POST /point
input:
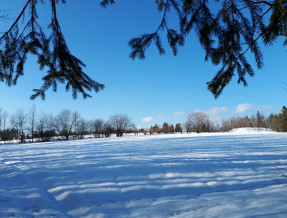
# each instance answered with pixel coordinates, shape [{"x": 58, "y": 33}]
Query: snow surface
[
  {"x": 197, "y": 175},
  {"x": 252, "y": 130}
]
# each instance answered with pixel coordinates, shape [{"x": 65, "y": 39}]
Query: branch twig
[{"x": 16, "y": 21}]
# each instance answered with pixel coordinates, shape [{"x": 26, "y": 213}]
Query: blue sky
[{"x": 158, "y": 89}]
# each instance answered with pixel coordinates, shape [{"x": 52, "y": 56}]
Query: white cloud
[
  {"x": 241, "y": 108},
  {"x": 160, "y": 117},
  {"x": 263, "y": 107},
  {"x": 214, "y": 113},
  {"x": 179, "y": 114},
  {"x": 147, "y": 119}
]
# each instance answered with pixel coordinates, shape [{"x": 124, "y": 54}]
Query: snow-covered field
[{"x": 203, "y": 175}]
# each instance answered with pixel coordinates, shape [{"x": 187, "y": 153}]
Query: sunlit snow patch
[{"x": 253, "y": 130}]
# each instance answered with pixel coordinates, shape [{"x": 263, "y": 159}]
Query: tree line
[
  {"x": 196, "y": 122},
  {"x": 166, "y": 128},
  {"x": 200, "y": 122},
  {"x": 31, "y": 126},
  {"x": 277, "y": 122}
]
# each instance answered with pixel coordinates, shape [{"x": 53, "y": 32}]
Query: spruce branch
[
  {"x": 262, "y": 2},
  {"x": 141, "y": 43},
  {"x": 226, "y": 35},
  {"x": 16, "y": 21},
  {"x": 105, "y": 3},
  {"x": 52, "y": 53}
]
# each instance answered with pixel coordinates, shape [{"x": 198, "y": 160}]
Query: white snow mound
[{"x": 253, "y": 130}]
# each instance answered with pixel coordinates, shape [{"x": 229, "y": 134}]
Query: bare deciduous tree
[
  {"x": 4, "y": 119},
  {"x": 199, "y": 122},
  {"x": 32, "y": 121},
  {"x": 188, "y": 126},
  {"x": 45, "y": 127},
  {"x": 1, "y": 119},
  {"x": 121, "y": 123},
  {"x": 97, "y": 127},
  {"x": 81, "y": 128},
  {"x": 108, "y": 129},
  {"x": 65, "y": 122},
  {"x": 18, "y": 121}
]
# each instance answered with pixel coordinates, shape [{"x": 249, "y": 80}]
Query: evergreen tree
[
  {"x": 157, "y": 129},
  {"x": 228, "y": 30},
  {"x": 273, "y": 121},
  {"x": 26, "y": 36},
  {"x": 9, "y": 134},
  {"x": 154, "y": 129},
  {"x": 246, "y": 121},
  {"x": 178, "y": 128},
  {"x": 165, "y": 128},
  {"x": 171, "y": 129},
  {"x": 283, "y": 119},
  {"x": 260, "y": 120}
]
